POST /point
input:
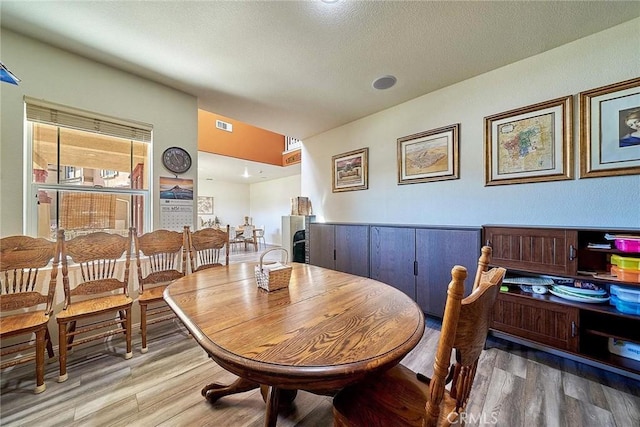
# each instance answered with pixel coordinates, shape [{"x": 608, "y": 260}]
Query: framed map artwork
[
  {"x": 530, "y": 144},
  {"x": 429, "y": 156}
]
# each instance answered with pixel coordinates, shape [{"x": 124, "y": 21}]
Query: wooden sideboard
[
  {"x": 575, "y": 329},
  {"x": 418, "y": 260}
]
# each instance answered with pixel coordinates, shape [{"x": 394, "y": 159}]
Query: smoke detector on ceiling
[{"x": 384, "y": 82}]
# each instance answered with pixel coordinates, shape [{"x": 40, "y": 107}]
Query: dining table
[{"x": 325, "y": 330}]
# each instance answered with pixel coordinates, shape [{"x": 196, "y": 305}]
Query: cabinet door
[
  {"x": 544, "y": 322},
  {"x": 321, "y": 242},
  {"x": 392, "y": 253},
  {"x": 437, "y": 251},
  {"x": 538, "y": 250},
  {"x": 352, "y": 249}
]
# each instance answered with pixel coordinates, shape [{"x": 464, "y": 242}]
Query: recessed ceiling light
[{"x": 384, "y": 82}]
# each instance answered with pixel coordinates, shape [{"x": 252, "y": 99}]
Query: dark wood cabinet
[
  {"x": 322, "y": 241},
  {"x": 418, "y": 261},
  {"x": 437, "y": 251},
  {"x": 393, "y": 253},
  {"x": 547, "y": 321},
  {"x": 341, "y": 247},
  {"x": 550, "y": 324},
  {"x": 414, "y": 259},
  {"x": 546, "y": 251}
]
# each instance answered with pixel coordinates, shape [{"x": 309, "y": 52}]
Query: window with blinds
[{"x": 90, "y": 171}]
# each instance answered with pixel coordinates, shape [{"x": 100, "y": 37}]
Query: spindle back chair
[
  {"x": 98, "y": 290},
  {"x": 28, "y": 275},
  {"x": 161, "y": 258}
]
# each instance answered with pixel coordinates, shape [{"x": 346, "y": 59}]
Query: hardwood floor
[{"x": 515, "y": 386}]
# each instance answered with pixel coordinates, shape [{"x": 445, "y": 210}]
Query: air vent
[{"x": 224, "y": 125}]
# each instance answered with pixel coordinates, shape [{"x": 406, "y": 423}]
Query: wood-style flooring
[{"x": 515, "y": 386}]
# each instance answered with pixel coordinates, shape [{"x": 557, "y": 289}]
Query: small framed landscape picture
[
  {"x": 610, "y": 130},
  {"x": 350, "y": 171},
  {"x": 530, "y": 144},
  {"x": 429, "y": 156}
]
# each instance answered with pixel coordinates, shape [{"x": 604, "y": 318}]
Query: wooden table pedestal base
[{"x": 275, "y": 398}]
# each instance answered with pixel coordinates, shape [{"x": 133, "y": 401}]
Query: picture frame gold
[
  {"x": 530, "y": 144},
  {"x": 429, "y": 156},
  {"x": 610, "y": 130},
  {"x": 350, "y": 171}
]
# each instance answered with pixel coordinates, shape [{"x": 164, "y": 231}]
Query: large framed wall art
[
  {"x": 610, "y": 130},
  {"x": 429, "y": 156},
  {"x": 530, "y": 144}
]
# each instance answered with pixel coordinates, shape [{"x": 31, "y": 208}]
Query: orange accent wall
[{"x": 245, "y": 142}]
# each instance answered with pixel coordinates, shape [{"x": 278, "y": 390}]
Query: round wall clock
[{"x": 176, "y": 159}]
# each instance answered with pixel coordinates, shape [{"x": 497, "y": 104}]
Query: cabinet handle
[
  {"x": 488, "y": 243},
  {"x": 415, "y": 268},
  {"x": 574, "y": 329},
  {"x": 334, "y": 254},
  {"x": 572, "y": 252}
]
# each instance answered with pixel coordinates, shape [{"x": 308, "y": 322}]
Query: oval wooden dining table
[{"x": 326, "y": 330}]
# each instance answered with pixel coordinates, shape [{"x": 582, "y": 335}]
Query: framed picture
[
  {"x": 530, "y": 144},
  {"x": 205, "y": 205},
  {"x": 350, "y": 171},
  {"x": 429, "y": 156},
  {"x": 610, "y": 130}
]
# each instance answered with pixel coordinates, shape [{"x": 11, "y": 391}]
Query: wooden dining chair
[
  {"x": 235, "y": 237},
  {"x": 27, "y": 289},
  {"x": 208, "y": 248},
  {"x": 249, "y": 237},
  {"x": 98, "y": 287},
  {"x": 259, "y": 233},
  {"x": 401, "y": 397},
  {"x": 161, "y": 258}
]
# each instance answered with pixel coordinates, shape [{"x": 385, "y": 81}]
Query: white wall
[
  {"x": 266, "y": 202},
  {"x": 231, "y": 202},
  {"x": 598, "y": 60},
  {"x": 271, "y": 200},
  {"x": 61, "y": 77}
]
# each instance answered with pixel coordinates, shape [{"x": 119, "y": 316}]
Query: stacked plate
[{"x": 579, "y": 294}]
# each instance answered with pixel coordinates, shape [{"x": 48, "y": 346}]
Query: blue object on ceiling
[{"x": 7, "y": 76}]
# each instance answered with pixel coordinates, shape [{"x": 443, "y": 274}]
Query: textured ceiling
[
  {"x": 299, "y": 68},
  {"x": 302, "y": 67}
]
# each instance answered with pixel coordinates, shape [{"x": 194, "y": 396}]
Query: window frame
[{"x": 31, "y": 188}]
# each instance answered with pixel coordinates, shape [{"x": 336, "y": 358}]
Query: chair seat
[
  {"x": 393, "y": 398},
  {"x": 152, "y": 294},
  {"x": 23, "y": 322},
  {"x": 95, "y": 306}
]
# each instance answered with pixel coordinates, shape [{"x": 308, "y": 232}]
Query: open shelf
[{"x": 546, "y": 320}]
